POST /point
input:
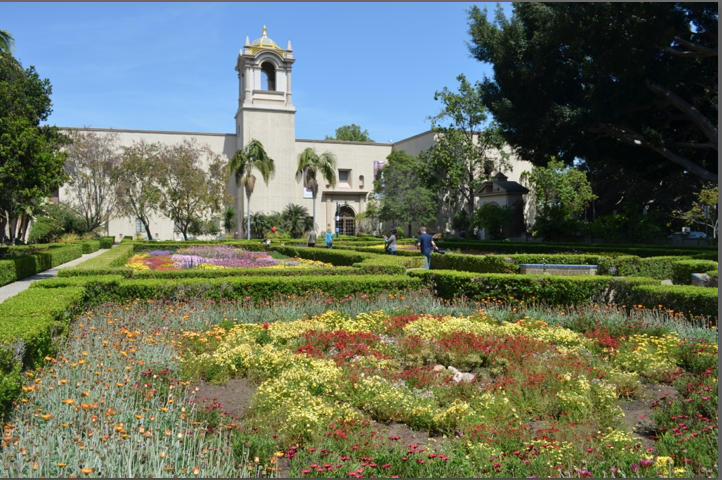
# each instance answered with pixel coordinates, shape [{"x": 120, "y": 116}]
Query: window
[
  {"x": 139, "y": 228},
  {"x": 344, "y": 178},
  {"x": 176, "y": 227},
  {"x": 270, "y": 72}
]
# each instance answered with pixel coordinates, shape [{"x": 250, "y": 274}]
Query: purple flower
[{"x": 634, "y": 468}]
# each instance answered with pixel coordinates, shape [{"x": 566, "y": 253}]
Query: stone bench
[{"x": 554, "y": 269}]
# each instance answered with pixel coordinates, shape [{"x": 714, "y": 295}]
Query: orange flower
[
  {"x": 196, "y": 470},
  {"x": 47, "y": 416},
  {"x": 69, "y": 401},
  {"x": 87, "y": 470}
]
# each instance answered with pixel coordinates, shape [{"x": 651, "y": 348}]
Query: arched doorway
[{"x": 345, "y": 220}]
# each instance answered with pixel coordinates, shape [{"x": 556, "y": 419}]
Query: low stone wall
[{"x": 553, "y": 269}]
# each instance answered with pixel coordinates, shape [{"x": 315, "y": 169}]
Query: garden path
[{"x": 14, "y": 288}]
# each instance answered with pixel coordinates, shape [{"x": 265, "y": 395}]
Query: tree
[
  {"x": 351, "y": 133},
  {"x": 311, "y": 165},
  {"x": 193, "y": 181},
  {"x": 580, "y": 80},
  {"x": 464, "y": 156},
  {"x": 7, "y": 42},
  {"x": 92, "y": 163},
  {"x": 560, "y": 197},
  {"x": 403, "y": 196},
  {"x": 31, "y": 161},
  {"x": 703, "y": 212},
  {"x": 494, "y": 218},
  {"x": 296, "y": 220},
  {"x": 138, "y": 183},
  {"x": 251, "y": 157},
  {"x": 229, "y": 219}
]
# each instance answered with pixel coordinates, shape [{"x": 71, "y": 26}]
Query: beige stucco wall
[{"x": 161, "y": 227}]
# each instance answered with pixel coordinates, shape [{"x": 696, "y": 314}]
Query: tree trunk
[
  {"x": 147, "y": 227},
  {"x": 24, "y": 227},
  {"x": 248, "y": 215},
  {"x": 314, "y": 212},
  {"x": 11, "y": 233}
]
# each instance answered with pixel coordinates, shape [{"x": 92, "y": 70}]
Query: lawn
[{"x": 361, "y": 387}]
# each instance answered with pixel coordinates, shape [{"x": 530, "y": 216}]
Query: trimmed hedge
[
  {"x": 682, "y": 270},
  {"x": 79, "y": 281},
  {"x": 34, "y": 317},
  {"x": 243, "y": 272},
  {"x": 551, "y": 289},
  {"x": 18, "y": 267},
  {"x": 90, "y": 246},
  {"x": 256, "y": 288},
  {"x": 112, "y": 261},
  {"x": 687, "y": 299},
  {"x": 565, "y": 248},
  {"x": 475, "y": 263},
  {"x": 107, "y": 242}
]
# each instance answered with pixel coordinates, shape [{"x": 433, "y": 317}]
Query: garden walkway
[{"x": 14, "y": 288}]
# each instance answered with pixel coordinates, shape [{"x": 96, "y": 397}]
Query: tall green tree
[
  {"x": 193, "y": 180},
  {"x": 251, "y": 157},
  {"x": 313, "y": 167},
  {"x": 31, "y": 160},
  {"x": 467, "y": 150},
  {"x": 137, "y": 182},
  {"x": 351, "y": 133},
  {"x": 627, "y": 83},
  {"x": 560, "y": 195},
  {"x": 92, "y": 163},
  {"x": 401, "y": 191}
]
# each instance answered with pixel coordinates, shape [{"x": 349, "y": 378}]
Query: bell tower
[{"x": 266, "y": 113}]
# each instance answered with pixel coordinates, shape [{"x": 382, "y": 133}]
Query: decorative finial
[{"x": 264, "y": 31}]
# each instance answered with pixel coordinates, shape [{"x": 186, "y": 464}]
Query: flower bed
[
  {"x": 207, "y": 257},
  {"x": 342, "y": 383}
]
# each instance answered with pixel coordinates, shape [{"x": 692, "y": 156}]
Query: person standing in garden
[
  {"x": 329, "y": 238},
  {"x": 391, "y": 242},
  {"x": 311, "y": 238},
  {"x": 426, "y": 244}
]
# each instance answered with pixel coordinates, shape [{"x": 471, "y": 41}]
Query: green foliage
[
  {"x": 351, "y": 133},
  {"x": 474, "y": 263},
  {"x": 600, "y": 81},
  {"x": 10, "y": 381},
  {"x": 630, "y": 226},
  {"x": 494, "y": 218},
  {"x": 37, "y": 318},
  {"x": 296, "y": 220},
  {"x": 560, "y": 194},
  {"x": 138, "y": 182},
  {"x": 689, "y": 300},
  {"x": 200, "y": 227},
  {"x": 107, "y": 242},
  {"x": 31, "y": 161},
  {"x": 403, "y": 197},
  {"x": 17, "y": 267},
  {"x": 105, "y": 262},
  {"x": 312, "y": 168},
  {"x": 547, "y": 289},
  {"x": 251, "y": 157},
  {"x": 194, "y": 181},
  {"x": 465, "y": 153},
  {"x": 682, "y": 270}
]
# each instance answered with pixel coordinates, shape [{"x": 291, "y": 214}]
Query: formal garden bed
[
  {"x": 344, "y": 371},
  {"x": 340, "y": 385}
]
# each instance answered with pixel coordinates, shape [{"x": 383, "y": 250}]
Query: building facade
[{"x": 266, "y": 112}]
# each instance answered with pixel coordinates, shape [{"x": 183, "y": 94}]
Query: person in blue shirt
[
  {"x": 329, "y": 238},
  {"x": 426, "y": 244}
]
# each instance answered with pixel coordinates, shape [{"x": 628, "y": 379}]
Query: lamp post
[{"x": 338, "y": 217}]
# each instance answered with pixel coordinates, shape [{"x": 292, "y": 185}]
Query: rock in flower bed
[
  {"x": 212, "y": 257},
  {"x": 342, "y": 383}
]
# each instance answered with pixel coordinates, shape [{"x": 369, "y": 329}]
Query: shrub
[
  {"x": 17, "y": 267},
  {"x": 107, "y": 242},
  {"x": 549, "y": 289},
  {"x": 35, "y": 318},
  {"x": 90, "y": 246},
  {"x": 682, "y": 270},
  {"x": 256, "y": 288},
  {"x": 475, "y": 263},
  {"x": 687, "y": 299}
]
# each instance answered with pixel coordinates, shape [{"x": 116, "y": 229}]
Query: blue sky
[{"x": 169, "y": 66}]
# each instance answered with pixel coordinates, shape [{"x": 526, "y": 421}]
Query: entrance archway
[{"x": 346, "y": 224}]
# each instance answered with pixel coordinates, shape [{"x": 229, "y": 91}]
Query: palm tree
[
  {"x": 253, "y": 155},
  {"x": 295, "y": 220},
  {"x": 7, "y": 42},
  {"x": 310, "y": 166}
]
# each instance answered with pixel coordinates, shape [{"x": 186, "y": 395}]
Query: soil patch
[
  {"x": 234, "y": 396},
  {"x": 638, "y": 412}
]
